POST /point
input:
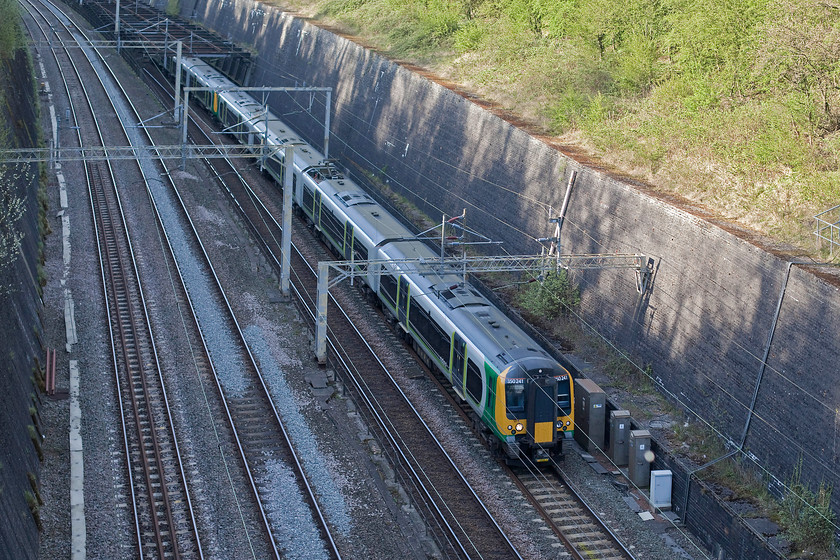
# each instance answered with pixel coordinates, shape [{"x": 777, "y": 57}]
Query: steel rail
[
  {"x": 585, "y": 550},
  {"x": 324, "y": 526},
  {"x": 370, "y": 400},
  {"x": 130, "y": 337}
]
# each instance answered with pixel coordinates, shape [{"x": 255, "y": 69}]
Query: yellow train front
[{"x": 533, "y": 412}]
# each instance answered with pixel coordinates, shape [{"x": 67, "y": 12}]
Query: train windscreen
[{"x": 515, "y": 398}]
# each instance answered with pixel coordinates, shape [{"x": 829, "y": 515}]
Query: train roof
[
  {"x": 367, "y": 214},
  {"x": 501, "y": 341},
  {"x": 252, "y": 112}
]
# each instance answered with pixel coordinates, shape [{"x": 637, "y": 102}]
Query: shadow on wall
[{"x": 705, "y": 326}]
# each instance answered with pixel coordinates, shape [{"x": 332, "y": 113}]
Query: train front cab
[{"x": 533, "y": 410}]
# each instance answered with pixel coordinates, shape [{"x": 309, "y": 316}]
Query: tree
[{"x": 801, "y": 53}]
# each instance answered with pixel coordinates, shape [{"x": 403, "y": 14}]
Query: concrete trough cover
[
  {"x": 632, "y": 504},
  {"x": 598, "y": 468},
  {"x": 672, "y": 517},
  {"x": 317, "y": 380}
]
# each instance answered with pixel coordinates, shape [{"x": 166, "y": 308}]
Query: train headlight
[
  {"x": 519, "y": 426},
  {"x": 510, "y": 427},
  {"x": 560, "y": 425}
]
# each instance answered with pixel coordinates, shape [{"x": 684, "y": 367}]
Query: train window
[
  {"x": 308, "y": 200},
  {"x": 360, "y": 250},
  {"x": 276, "y": 169},
  {"x": 515, "y": 399},
  {"x": 429, "y": 331},
  {"x": 228, "y": 117},
  {"x": 473, "y": 381},
  {"x": 332, "y": 226},
  {"x": 388, "y": 288},
  {"x": 564, "y": 398}
]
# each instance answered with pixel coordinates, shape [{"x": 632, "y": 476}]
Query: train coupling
[{"x": 541, "y": 455}]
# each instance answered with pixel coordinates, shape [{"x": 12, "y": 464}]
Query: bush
[
  {"x": 468, "y": 37},
  {"x": 807, "y": 516},
  {"x": 553, "y": 297}
]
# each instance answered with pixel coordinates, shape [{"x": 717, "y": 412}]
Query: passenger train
[{"x": 517, "y": 390}]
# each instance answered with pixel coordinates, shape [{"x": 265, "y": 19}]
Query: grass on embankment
[{"x": 733, "y": 105}]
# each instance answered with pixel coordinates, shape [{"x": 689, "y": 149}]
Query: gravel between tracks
[
  {"x": 368, "y": 522},
  {"x": 368, "y": 514}
]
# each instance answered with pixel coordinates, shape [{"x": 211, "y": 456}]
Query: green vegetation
[
  {"x": 11, "y": 31},
  {"x": 33, "y": 483},
  {"x": 34, "y": 508},
  {"x": 553, "y": 297},
  {"x": 398, "y": 202},
  {"x": 807, "y": 516},
  {"x": 173, "y": 8},
  {"x": 36, "y": 441},
  {"x": 733, "y": 105},
  {"x": 626, "y": 375}
]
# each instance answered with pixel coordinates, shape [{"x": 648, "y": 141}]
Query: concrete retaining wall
[
  {"x": 20, "y": 330},
  {"x": 705, "y": 325}
]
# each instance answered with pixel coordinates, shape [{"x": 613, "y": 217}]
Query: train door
[
  {"x": 348, "y": 241},
  {"x": 459, "y": 354},
  {"x": 316, "y": 210},
  {"x": 541, "y": 410},
  {"x": 402, "y": 301}
]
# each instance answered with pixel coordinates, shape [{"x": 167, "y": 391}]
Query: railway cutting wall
[
  {"x": 705, "y": 325},
  {"x": 21, "y": 328}
]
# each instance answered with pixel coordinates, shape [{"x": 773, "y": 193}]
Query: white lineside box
[{"x": 660, "y": 489}]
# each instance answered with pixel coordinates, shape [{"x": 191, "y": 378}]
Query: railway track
[
  {"x": 577, "y": 525},
  {"x": 560, "y": 505},
  {"x": 255, "y": 426},
  {"x": 162, "y": 509},
  {"x": 462, "y": 524}
]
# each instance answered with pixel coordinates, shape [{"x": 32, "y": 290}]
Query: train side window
[
  {"x": 276, "y": 169},
  {"x": 360, "y": 250},
  {"x": 388, "y": 288},
  {"x": 332, "y": 226},
  {"x": 515, "y": 399},
  {"x": 308, "y": 200},
  {"x": 428, "y": 330},
  {"x": 474, "y": 381},
  {"x": 564, "y": 398}
]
